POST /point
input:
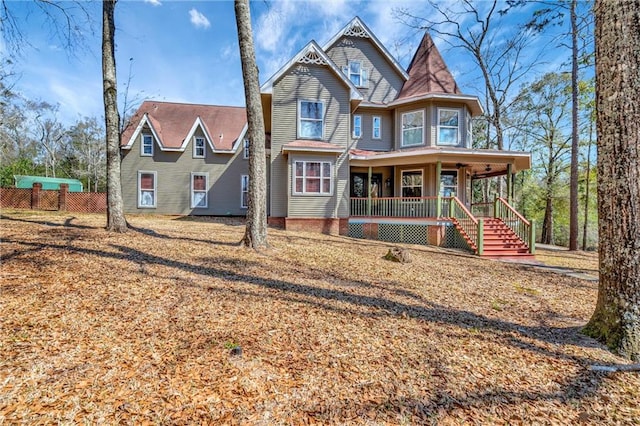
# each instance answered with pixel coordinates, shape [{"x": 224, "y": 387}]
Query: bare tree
[
  {"x": 616, "y": 320},
  {"x": 475, "y": 27},
  {"x": 256, "y": 229},
  {"x": 116, "y": 221}
]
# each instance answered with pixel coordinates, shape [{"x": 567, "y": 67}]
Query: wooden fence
[{"x": 38, "y": 199}]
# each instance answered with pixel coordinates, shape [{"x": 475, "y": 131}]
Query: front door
[{"x": 360, "y": 185}]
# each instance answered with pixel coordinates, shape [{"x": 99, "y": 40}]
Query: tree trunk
[
  {"x": 573, "y": 180},
  {"x": 116, "y": 221},
  {"x": 255, "y": 235},
  {"x": 547, "y": 222},
  {"x": 616, "y": 320},
  {"x": 587, "y": 190}
]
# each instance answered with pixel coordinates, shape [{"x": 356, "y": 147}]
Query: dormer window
[
  {"x": 359, "y": 76},
  {"x": 245, "y": 154},
  {"x": 198, "y": 147},
  {"x": 146, "y": 148}
]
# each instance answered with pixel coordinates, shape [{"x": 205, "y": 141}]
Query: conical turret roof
[{"x": 428, "y": 73}]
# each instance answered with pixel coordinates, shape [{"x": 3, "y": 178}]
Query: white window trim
[
  {"x": 195, "y": 146},
  {"x": 357, "y": 135},
  {"x": 421, "y": 111},
  {"x": 438, "y": 126},
  {"x": 402, "y": 172},
  {"x": 364, "y": 74},
  {"x": 242, "y": 191},
  {"x": 300, "y": 101},
  {"x": 373, "y": 127},
  {"x": 206, "y": 190},
  {"x": 155, "y": 189},
  {"x": 142, "y": 153},
  {"x": 245, "y": 147},
  {"x": 304, "y": 177}
]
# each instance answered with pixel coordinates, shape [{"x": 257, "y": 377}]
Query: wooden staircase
[{"x": 499, "y": 241}]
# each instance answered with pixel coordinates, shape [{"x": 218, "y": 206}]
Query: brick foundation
[
  {"x": 435, "y": 235},
  {"x": 331, "y": 226}
]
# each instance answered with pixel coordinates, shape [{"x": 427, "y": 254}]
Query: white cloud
[
  {"x": 198, "y": 19},
  {"x": 154, "y": 2}
]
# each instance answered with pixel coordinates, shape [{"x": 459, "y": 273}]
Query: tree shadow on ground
[
  {"x": 67, "y": 222},
  {"x": 523, "y": 337}
]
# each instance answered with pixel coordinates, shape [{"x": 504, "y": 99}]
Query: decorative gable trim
[
  {"x": 197, "y": 123},
  {"x": 357, "y": 28},
  {"x": 312, "y": 53},
  {"x": 144, "y": 120},
  {"x": 312, "y": 57}
]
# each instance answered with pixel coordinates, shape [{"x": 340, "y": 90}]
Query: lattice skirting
[{"x": 408, "y": 233}]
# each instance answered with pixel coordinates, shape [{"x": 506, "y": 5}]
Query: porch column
[
  {"x": 509, "y": 182},
  {"x": 369, "y": 193},
  {"x": 439, "y": 199}
]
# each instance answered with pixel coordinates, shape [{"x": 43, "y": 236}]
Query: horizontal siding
[
  {"x": 309, "y": 82},
  {"x": 174, "y": 180},
  {"x": 367, "y": 142},
  {"x": 431, "y": 117},
  {"x": 384, "y": 81}
]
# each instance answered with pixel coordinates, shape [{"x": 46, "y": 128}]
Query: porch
[{"x": 488, "y": 229}]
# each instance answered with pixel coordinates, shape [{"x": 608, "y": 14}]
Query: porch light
[
  {"x": 387, "y": 182},
  {"x": 488, "y": 168}
]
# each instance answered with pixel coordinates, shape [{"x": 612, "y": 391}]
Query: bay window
[
  {"x": 413, "y": 128},
  {"x": 313, "y": 177},
  {"x": 357, "y": 126},
  {"x": 377, "y": 126},
  {"x": 448, "y": 126}
]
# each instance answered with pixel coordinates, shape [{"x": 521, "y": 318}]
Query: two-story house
[{"x": 358, "y": 146}]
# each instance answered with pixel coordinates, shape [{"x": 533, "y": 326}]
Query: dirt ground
[{"x": 175, "y": 323}]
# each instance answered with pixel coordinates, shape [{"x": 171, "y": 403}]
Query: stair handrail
[
  {"x": 471, "y": 225},
  {"x": 524, "y": 229}
]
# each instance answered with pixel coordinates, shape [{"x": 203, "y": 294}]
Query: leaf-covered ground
[{"x": 140, "y": 328}]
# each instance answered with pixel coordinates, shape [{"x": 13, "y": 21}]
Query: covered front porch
[{"x": 428, "y": 195}]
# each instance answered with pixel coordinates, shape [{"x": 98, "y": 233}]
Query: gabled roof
[
  {"x": 173, "y": 125},
  {"x": 428, "y": 72},
  {"x": 357, "y": 28},
  {"x": 312, "y": 54}
]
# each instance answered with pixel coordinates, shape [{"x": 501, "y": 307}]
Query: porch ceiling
[{"x": 481, "y": 162}]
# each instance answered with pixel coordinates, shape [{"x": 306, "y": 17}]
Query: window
[
  {"x": 310, "y": 120},
  {"x": 199, "y": 186},
  {"x": 412, "y": 183},
  {"x": 313, "y": 177},
  {"x": 359, "y": 76},
  {"x": 449, "y": 183},
  {"x": 246, "y": 149},
  {"x": 357, "y": 126},
  {"x": 147, "y": 182},
  {"x": 147, "y": 145},
  {"x": 412, "y": 128},
  {"x": 198, "y": 148},
  {"x": 448, "y": 126},
  {"x": 244, "y": 191},
  {"x": 377, "y": 126}
]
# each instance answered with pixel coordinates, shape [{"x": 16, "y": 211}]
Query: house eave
[{"x": 472, "y": 102}]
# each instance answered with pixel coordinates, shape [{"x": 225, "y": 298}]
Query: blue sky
[{"x": 187, "y": 51}]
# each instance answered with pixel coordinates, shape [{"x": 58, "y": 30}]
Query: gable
[
  {"x": 312, "y": 54},
  {"x": 174, "y": 124}
]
